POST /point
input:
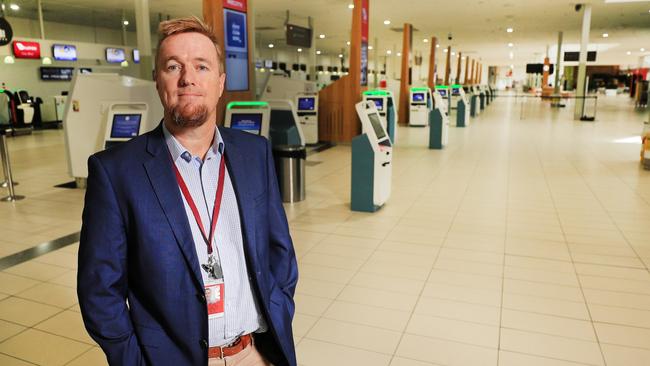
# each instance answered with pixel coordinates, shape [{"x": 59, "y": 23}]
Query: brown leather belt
[{"x": 237, "y": 346}]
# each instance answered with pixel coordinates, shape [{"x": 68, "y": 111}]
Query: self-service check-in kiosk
[
  {"x": 371, "y": 161},
  {"x": 419, "y": 106},
  {"x": 251, "y": 117},
  {"x": 482, "y": 96},
  {"x": 307, "y": 109},
  {"x": 385, "y": 103},
  {"x": 475, "y": 100},
  {"x": 462, "y": 105},
  {"x": 124, "y": 121},
  {"x": 438, "y": 123},
  {"x": 445, "y": 94}
]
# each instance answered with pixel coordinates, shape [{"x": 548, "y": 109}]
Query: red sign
[
  {"x": 239, "y": 5},
  {"x": 23, "y": 49},
  {"x": 365, "y": 16}
]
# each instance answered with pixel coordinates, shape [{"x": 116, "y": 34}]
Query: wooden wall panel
[
  {"x": 431, "y": 81},
  {"x": 404, "y": 84}
]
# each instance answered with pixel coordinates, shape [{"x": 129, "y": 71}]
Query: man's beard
[{"x": 189, "y": 116}]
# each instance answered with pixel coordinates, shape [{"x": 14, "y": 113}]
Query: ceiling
[{"x": 477, "y": 27}]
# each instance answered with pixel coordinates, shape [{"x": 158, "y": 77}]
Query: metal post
[
  {"x": 5, "y": 183},
  {"x": 7, "y": 168},
  {"x": 582, "y": 68},
  {"x": 123, "y": 27},
  {"x": 40, "y": 18},
  {"x": 143, "y": 35}
]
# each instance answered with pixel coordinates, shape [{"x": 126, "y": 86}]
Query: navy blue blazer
[{"x": 136, "y": 245}]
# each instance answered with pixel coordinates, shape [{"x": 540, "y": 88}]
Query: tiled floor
[{"x": 525, "y": 242}]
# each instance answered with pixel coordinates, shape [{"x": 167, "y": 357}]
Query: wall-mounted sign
[
  {"x": 298, "y": 36},
  {"x": 64, "y": 52},
  {"x": 6, "y": 33},
  {"x": 236, "y": 45},
  {"x": 23, "y": 49},
  {"x": 575, "y": 56},
  {"x": 365, "y": 16},
  {"x": 239, "y": 5},
  {"x": 56, "y": 73}
]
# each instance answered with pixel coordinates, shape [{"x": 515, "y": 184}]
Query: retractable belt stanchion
[{"x": 6, "y": 164}]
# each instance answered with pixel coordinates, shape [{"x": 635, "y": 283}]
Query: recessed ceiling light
[
  {"x": 318, "y": 52},
  {"x": 642, "y": 49},
  {"x": 351, "y": 6},
  {"x": 462, "y": 58},
  {"x": 605, "y": 35},
  {"x": 446, "y": 50},
  {"x": 512, "y": 66},
  {"x": 453, "y": 53},
  {"x": 425, "y": 40},
  {"x": 511, "y": 44},
  {"x": 511, "y": 55},
  {"x": 321, "y": 36},
  {"x": 348, "y": 43},
  {"x": 126, "y": 22},
  {"x": 386, "y": 22},
  {"x": 510, "y": 30},
  {"x": 299, "y": 50},
  {"x": 14, "y": 7},
  {"x": 271, "y": 45},
  {"x": 369, "y": 47},
  {"x": 399, "y": 54},
  {"x": 388, "y": 52},
  {"x": 340, "y": 55},
  {"x": 628, "y": 52}
]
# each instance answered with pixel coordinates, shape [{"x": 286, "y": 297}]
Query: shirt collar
[{"x": 176, "y": 149}]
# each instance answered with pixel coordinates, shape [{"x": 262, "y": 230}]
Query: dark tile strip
[{"x": 38, "y": 250}]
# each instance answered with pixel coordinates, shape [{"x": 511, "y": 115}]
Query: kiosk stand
[
  {"x": 124, "y": 121},
  {"x": 475, "y": 101},
  {"x": 419, "y": 106},
  {"x": 371, "y": 162},
  {"x": 251, "y": 117},
  {"x": 385, "y": 103},
  {"x": 445, "y": 92},
  {"x": 438, "y": 123},
  {"x": 307, "y": 109},
  {"x": 462, "y": 107}
]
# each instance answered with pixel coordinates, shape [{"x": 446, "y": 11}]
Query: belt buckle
[{"x": 221, "y": 356}]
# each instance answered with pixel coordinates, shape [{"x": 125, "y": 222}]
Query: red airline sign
[
  {"x": 23, "y": 49},
  {"x": 239, "y": 5}
]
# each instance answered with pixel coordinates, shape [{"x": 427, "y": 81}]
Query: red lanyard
[{"x": 217, "y": 202}]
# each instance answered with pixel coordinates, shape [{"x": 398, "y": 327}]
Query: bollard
[
  {"x": 6, "y": 164},
  {"x": 5, "y": 183}
]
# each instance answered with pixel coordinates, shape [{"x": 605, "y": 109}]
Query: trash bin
[{"x": 290, "y": 169}]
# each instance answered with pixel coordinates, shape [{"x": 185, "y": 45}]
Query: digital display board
[
  {"x": 298, "y": 36},
  {"x": 236, "y": 47},
  {"x": 115, "y": 55},
  {"x": 306, "y": 104},
  {"x": 64, "y": 52},
  {"x": 136, "y": 55},
  {"x": 56, "y": 73}
]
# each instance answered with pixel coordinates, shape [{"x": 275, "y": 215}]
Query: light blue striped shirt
[{"x": 241, "y": 313}]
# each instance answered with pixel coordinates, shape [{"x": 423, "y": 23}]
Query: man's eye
[
  {"x": 173, "y": 67},
  {"x": 203, "y": 68}
]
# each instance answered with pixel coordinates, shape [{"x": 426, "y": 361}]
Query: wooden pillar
[
  {"x": 460, "y": 56},
  {"x": 480, "y": 72},
  {"x": 213, "y": 15},
  {"x": 431, "y": 82},
  {"x": 545, "y": 74},
  {"x": 471, "y": 78},
  {"x": 448, "y": 67},
  {"x": 466, "y": 71},
  {"x": 404, "y": 81}
]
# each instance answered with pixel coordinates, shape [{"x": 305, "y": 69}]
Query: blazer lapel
[{"x": 164, "y": 184}]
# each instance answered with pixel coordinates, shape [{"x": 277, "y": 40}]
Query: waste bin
[{"x": 290, "y": 169}]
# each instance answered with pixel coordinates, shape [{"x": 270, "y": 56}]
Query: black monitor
[
  {"x": 282, "y": 66},
  {"x": 330, "y": 68},
  {"x": 379, "y": 103},
  {"x": 306, "y": 104},
  {"x": 125, "y": 125},
  {"x": 334, "y": 77},
  {"x": 442, "y": 92},
  {"x": 455, "y": 91},
  {"x": 274, "y": 65},
  {"x": 419, "y": 98},
  {"x": 249, "y": 122},
  {"x": 375, "y": 121},
  {"x": 303, "y": 67},
  {"x": 295, "y": 67},
  {"x": 319, "y": 68}
]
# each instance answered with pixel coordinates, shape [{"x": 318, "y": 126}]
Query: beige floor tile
[
  {"x": 623, "y": 336},
  {"x": 66, "y": 324},
  {"x": 535, "y": 275},
  {"x": 68, "y": 279},
  {"x": 458, "y": 310},
  {"x": 551, "y": 346},
  {"x": 400, "y": 361},
  {"x": 409, "y": 248},
  {"x": 381, "y": 267},
  {"x": 311, "y": 305},
  {"x": 368, "y": 315},
  {"x": 302, "y": 323},
  {"x": 324, "y": 273},
  {"x": 462, "y": 294},
  {"x": 443, "y": 352},
  {"x": 547, "y": 324},
  {"x": 630, "y": 262},
  {"x": 541, "y": 305},
  {"x": 95, "y": 357},
  {"x": 614, "y": 284},
  {"x": 37, "y": 271},
  {"x": 507, "y": 358},
  {"x": 387, "y": 283},
  {"x": 342, "y": 251},
  {"x": 379, "y": 298},
  {"x": 12, "y": 284},
  {"x": 404, "y": 259},
  {"x": 334, "y": 261},
  {"x": 612, "y": 272},
  {"x": 568, "y": 293},
  {"x": 51, "y": 294},
  {"x": 454, "y": 330},
  {"x": 311, "y": 352},
  {"x": 12, "y": 361},
  {"x": 355, "y": 336},
  {"x": 326, "y": 289},
  {"x": 463, "y": 266},
  {"x": 59, "y": 258},
  {"x": 8, "y": 329},
  {"x": 539, "y": 264},
  {"x": 625, "y": 356},
  {"x": 465, "y": 280},
  {"x": 617, "y": 299},
  {"x": 25, "y": 312},
  {"x": 470, "y": 255},
  {"x": 620, "y": 316},
  {"x": 53, "y": 350}
]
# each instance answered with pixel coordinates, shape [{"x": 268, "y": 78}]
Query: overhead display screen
[
  {"x": 64, "y": 52},
  {"x": 115, "y": 55},
  {"x": 298, "y": 36},
  {"x": 56, "y": 73}
]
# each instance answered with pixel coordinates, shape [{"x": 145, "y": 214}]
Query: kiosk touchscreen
[
  {"x": 124, "y": 121},
  {"x": 251, "y": 117},
  {"x": 307, "y": 110},
  {"x": 419, "y": 99},
  {"x": 386, "y": 106},
  {"x": 371, "y": 161}
]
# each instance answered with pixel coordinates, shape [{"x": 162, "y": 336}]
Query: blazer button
[
  {"x": 201, "y": 297},
  {"x": 204, "y": 343}
]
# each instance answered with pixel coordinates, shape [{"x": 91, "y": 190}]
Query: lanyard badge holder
[{"x": 214, "y": 286}]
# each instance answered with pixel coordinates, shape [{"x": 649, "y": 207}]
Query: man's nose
[{"x": 187, "y": 77}]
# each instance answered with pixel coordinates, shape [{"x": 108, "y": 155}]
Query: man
[{"x": 186, "y": 210}]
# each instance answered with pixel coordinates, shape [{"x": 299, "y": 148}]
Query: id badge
[{"x": 215, "y": 297}]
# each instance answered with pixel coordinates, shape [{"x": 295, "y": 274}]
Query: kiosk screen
[
  {"x": 306, "y": 104},
  {"x": 455, "y": 91},
  {"x": 376, "y": 125},
  {"x": 125, "y": 125},
  {"x": 443, "y": 92},
  {"x": 418, "y": 97},
  {"x": 379, "y": 102},
  {"x": 249, "y": 122}
]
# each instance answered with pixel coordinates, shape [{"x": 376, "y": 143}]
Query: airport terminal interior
[{"x": 466, "y": 183}]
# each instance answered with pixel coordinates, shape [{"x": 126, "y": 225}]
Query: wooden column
[
  {"x": 480, "y": 72},
  {"x": 460, "y": 57},
  {"x": 404, "y": 81},
  {"x": 337, "y": 117},
  {"x": 213, "y": 15},
  {"x": 471, "y": 78},
  {"x": 466, "y": 71},
  {"x": 448, "y": 67},
  {"x": 431, "y": 82},
  {"x": 545, "y": 74}
]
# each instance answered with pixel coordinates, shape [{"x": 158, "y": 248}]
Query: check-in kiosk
[
  {"x": 445, "y": 93},
  {"x": 284, "y": 125},
  {"x": 419, "y": 106},
  {"x": 438, "y": 123},
  {"x": 124, "y": 121},
  {"x": 371, "y": 161},
  {"x": 476, "y": 103},
  {"x": 307, "y": 109},
  {"x": 462, "y": 105},
  {"x": 251, "y": 117},
  {"x": 386, "y": 106},
  {"x": 482, "y": 97}
]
